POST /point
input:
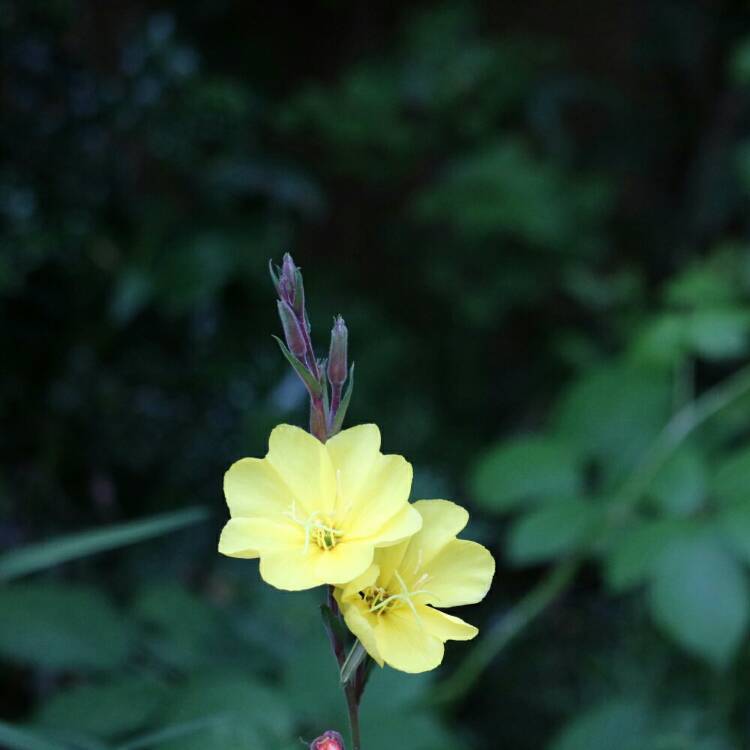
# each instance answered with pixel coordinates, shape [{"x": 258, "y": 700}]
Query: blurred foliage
[{"x": 535, "y": 223}]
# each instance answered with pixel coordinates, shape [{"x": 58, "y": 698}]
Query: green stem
[
  {"x": 352, "y": 705},
  {"x": 677, "y": 430}
]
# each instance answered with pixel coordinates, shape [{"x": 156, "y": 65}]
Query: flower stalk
[{"x": 327, "y": 411}]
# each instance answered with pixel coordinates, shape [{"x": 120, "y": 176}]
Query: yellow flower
[
  {"x": 315, "y": 513},
  {"x": 388, "y": 607}
]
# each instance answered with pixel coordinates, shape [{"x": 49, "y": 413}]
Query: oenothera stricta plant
[{"x": 327, "y": 508}]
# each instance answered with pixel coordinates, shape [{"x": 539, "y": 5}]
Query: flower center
[
  {"x": 377, "y": 599},
  {"x": 318, "y": 529},
  {"x": 325, "y": 536}
]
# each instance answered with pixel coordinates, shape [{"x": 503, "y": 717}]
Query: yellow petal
[
  {"x": 303, "y": 464},
  {"x": 389, "y": 559},
  {"x": 290, "y": 571},
  {"x": 445, "y": 627},
  {"x": 361, "y": 625},
  {"x": 460, "y": 574},
  {"x": 403, "y": 525},
  {"x": 405, "y": 644},
  {"x": 385, "y": 493},
  {"x": 249, "y": 537},
  {"x": 253, "y": 488},
  {"x": 441, "y": 521},
  {"x": 345, "y": 562},
  {"x": 351, "y": 590},
  {"x": 353, "y": 453}
]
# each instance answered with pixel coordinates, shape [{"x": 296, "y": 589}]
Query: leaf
[
  {"x": 719, "y": 334},
  {"x": 631, "y": 559},
  {"x": 255, "y": 715},
  {"x": 679, "y": 488},
  {"x": 70, "y": 627},
  {"x": 731, "y": 482},
  {"x": 551, "y": 531},
  {"x": 182, "y": 627},
  {"x": 734, "y": 524},
  {"x": 103, "y": 709},
  {"x": 344, "y": 405},
  {"x": 305, "y": 375},
  {"x": 698, "y": 595},
  {"x": 354, "y": 658},
  {"x": 614, "y": 413},
  {"x": 172, "y": 732},
  {"x": 36, "y": 557},
  {"x": 524, "y": 468},
  {"x": 16, "y": 738},
  {"x": 618, "y": 725}
]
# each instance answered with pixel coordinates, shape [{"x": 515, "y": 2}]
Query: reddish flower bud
[
  {"x": 293, "y": 334},
  {"x": 288, "y": 280},
  {"x": 337, "y": 356},
  {"x": 329, "y": 740}
]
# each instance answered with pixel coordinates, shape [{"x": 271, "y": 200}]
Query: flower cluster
[{"x": 338, "y": 513}]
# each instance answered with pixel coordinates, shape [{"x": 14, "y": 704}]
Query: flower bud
[
  {"x": 329, "y": 740},
  {"x": 288, "y": 280},
  {"x": 295, "y": 339},
  {"x": 337, "y": 356}
]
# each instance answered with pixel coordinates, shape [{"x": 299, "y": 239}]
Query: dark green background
[{"x": 533, "y": 218}]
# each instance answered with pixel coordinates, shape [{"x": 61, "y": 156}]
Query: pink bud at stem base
[{"x": 329, "y": 740}]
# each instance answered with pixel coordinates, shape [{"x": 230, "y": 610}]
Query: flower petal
[
  {"x": 253, "y": 488},
  {"x": 405, "y": 644},
  {"x": 445, "y": 627},
  {"x": 441, "y": 521},
  {"x": 350, "y": 592},
  {"x": 385, "y": 493},
  {"x": 290, "y": 571},
  {"x": 345, "y": 562},
  {"x": 353, "y": 453},
  {"x": 403, "y": 525},
  {"x": 251, "y": 537},
  {"x": 460, "y": 574},
  {"x": 361, "y": 624},
  {"x": 303, "y": 464}
]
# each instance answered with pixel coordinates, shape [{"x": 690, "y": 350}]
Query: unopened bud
[
  {"x": 329, "y": 740},
  {"x": 295, "y": 339},
  {"x": 337, "y": 356},
  {"x": 287, "y": 279}
]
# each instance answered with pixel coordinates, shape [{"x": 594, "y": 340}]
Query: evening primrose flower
[
  {"x": 314, "y": 513},
  {"x": 391, "y": 607}
]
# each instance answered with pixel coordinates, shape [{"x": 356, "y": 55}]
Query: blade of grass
[
  {"x": 36, "y": 557},
  {"x": 14, "y": 738}
]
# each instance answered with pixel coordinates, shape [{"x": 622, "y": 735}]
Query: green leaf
[
  {"x": 173, "y": 732},
  {"x": 15, "y": 738},
  {"x": 698, "y": 595},
  {"x": 618, "y": 725},
  {"x": 734, "y": 525},
  {"x": 551, "y": 531},
  {"x": 679, "y": 488},
  {"x": 36, "y": 557},
  {"x": 354, "y": 658},
  {"x": 614, "y": 414},
  {"x": 255, "y": 715},
  {"x": 313, "y": 385},
  {"x": 634, "y": 553},
  {"x": 524, "y": 468},
  {"x": 731, "y": 482},
  {"x": 61, "y": 627},
  {"x": 344, "y": 405},
  {"x": 182, "y": 627},
  {"x": 103, "y": 709},
  {"x": 719, "y": 334}
]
